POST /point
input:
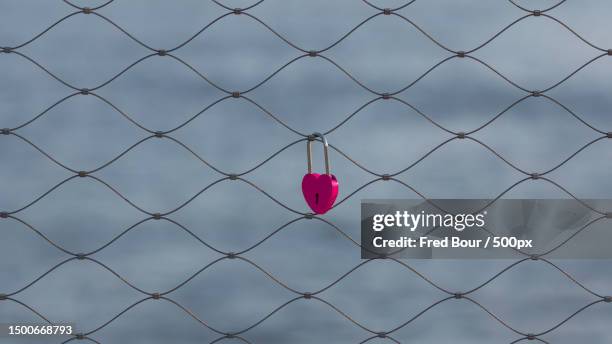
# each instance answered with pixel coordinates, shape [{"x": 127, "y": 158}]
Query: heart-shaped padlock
[{"x": 320, "y": 190}]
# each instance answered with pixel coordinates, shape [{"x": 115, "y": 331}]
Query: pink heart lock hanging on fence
[{"x": 320, "y": 190}]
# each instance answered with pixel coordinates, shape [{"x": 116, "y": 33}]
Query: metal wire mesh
[{"x": 225, "y": 176}]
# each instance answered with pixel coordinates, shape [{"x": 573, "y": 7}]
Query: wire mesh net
[{"x": 299, "y": 138}]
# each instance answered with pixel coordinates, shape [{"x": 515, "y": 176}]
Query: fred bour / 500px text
[{"x": 451, "y": 242}]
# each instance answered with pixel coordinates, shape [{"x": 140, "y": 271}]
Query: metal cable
[{"x": 302, "y": 53}]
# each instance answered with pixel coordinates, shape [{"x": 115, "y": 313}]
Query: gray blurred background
[{"x": 385, "y": 54}]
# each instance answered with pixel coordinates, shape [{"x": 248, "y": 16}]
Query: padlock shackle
[{"x": 309, "y": 152}]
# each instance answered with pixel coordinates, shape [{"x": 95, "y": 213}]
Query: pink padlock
[{"x": 320, "y": 190}]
